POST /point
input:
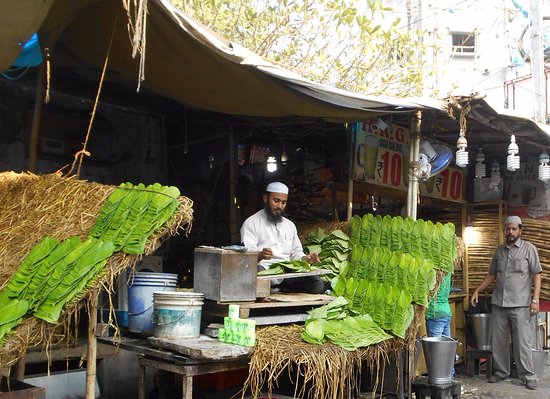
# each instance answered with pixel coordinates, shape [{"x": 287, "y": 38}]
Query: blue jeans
[{"x": 438, "y": 327}]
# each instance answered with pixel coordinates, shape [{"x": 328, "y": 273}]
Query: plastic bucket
[
  {"x": 539, "y": 360},
  {"x": 141, "y": 286},
  {"x": 439, "y": 353},
  {"x": 177, "y": 314},
  {"x": 481, "y": 330}
]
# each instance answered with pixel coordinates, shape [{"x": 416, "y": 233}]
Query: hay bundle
[
  {"x": 320, "y": 371},
  {"x": 35, "y": 206}
]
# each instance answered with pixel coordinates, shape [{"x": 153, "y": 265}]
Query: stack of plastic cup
[{"x": 236, "y": 330}]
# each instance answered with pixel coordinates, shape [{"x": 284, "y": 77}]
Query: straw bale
[
  {"x": 320, "y": 371},
  {"x": 34, "y": 206}
]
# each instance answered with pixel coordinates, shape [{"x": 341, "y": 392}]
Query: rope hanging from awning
[{"x": 136, "y": 11}]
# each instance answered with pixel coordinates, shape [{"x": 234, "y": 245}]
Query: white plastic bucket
[
  {"x": 177, "y": 314},
  {"x": 141, "y": 286}
]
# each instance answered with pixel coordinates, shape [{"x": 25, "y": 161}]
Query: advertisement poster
[
  {"x": 382, "y": 158},
  {"x": 381, "y": 154}
]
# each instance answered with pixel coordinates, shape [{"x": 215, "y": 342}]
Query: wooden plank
[
  {"x": 279, "y": 319},
  {"x": 203, "y": 347}
]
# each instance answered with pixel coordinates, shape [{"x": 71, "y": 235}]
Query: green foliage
[
  {"x": 348, "y": 44},
  {"x": 338, "y": 323},
  {"x": 333, "y": 250}
]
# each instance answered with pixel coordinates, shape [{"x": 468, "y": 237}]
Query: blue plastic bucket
[
  {"x": 177, "y": 314},
  {"x": 141, "y": 286}
]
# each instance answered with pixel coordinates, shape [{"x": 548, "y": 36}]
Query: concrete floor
[{"x": 478, "y": 387}]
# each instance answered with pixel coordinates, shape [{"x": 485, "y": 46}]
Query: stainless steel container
[
  {"x": 481, "y": 329},
  {"x": 224, "y": 275}
]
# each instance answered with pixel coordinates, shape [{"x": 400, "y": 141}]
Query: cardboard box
[{"x": 224, "y": 275}]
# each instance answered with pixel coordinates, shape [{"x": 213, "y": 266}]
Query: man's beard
[{"x": 274, "y": 218}]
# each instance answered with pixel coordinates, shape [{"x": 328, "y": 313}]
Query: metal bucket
[
  {"x": 177, "y": 314},
  {"x": 539, "y": 360},
  {"x": 481, "y": 329},
  {"x": 439, "y": 353},
  {"x": 141, "y": 286}
]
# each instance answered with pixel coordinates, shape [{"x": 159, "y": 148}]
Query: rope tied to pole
[{"x": 79, "y": 155}]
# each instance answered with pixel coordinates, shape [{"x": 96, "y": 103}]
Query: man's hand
[
  {"x": 474, "y": 298},
  {"x": 266, "y": 253},
  {"x": 312, "y": 258}
]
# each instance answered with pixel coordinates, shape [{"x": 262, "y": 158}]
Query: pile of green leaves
[
  {"x": 287, "y": 266},
  {"x": 414, "y": 275},
  {"x": 390, "y": 308},
  {"x": 132, "y": 214},
  {"x": 54, "y": 273},
  {"x": 337, "y": 323},
  {"x": 333, "y": 250},
  {"x": 422, "y": 239}
]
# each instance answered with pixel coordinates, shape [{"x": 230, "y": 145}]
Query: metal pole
[
  {"x": 537, "y": 65},
  {"x": 350, "y": 172},
  {"x": 412, "y": 192}
]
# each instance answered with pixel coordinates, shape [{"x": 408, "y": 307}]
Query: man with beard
[
  {"x": 515, "y": 268},
  {"x": 276, "y": 239}
]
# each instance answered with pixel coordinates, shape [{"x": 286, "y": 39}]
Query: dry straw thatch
[
  {"x": 321, "y": 371},
  {"x": 35, "y": 206}
]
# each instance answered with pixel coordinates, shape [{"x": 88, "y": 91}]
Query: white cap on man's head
[
  {"x": 513, "y": 219},
  {"x": 277, "y": 187}
]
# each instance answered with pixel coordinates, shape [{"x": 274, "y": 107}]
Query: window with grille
[{"x": 464, "y": 43}]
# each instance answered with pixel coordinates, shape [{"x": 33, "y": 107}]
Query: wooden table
[{"x": 161, "y": 359}]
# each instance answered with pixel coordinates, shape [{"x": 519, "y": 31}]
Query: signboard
[
  {"x": 381, "y": 154},
  {"x": 382, "y": 157}
]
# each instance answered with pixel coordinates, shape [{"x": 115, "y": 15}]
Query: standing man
[
  {"x": 515, "y": 267},
  {"x": 276, "y": 239}
]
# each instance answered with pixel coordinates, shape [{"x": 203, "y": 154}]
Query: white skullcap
[
  {"x": 513, "y": 219},
  {"x": 277, "y": 187}
]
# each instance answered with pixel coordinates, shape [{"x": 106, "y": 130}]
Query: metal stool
[
  {"x": 422, "y": 389},
  {"x": 472, "y": 362}
]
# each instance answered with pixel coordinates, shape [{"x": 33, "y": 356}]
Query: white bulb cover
[
  {"x": 480, "y": 170},
  {"x": 544, "y": 172},
  {"x": 512, "y": 162},
  {"x": 461, "y": 158}
]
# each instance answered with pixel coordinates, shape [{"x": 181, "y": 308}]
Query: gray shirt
[{"x": 514, "y": 269}]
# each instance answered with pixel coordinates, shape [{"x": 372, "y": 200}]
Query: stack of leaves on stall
[
  {"x": 51, "y": 261},
  {"x": 381, "y": 292},
  {"x": 333, "y": 249}
]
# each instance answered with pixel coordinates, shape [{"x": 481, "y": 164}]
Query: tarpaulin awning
[{"x": 183, "y": 60}]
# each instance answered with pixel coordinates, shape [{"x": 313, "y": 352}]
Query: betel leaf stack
[
  {"x": 132, "y": 214},
  {"x": 51, "y": 275},
  {"x": 422, "y": 239}
]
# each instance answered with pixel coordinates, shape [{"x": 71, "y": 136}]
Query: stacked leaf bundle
[
  {"x": 132, "y": 214},
  {"x": 51, "y": 275},
  {"x": 389, "y": 307},
  {"x": 404, "y": 271},
  {"x": 422, "y": 239},
  {"x": 338, "y": 323},
  {"x": 333, "y": 250}
]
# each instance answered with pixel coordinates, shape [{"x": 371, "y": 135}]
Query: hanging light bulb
[
  {"x": 544, "y": 168},
  {"x": 480, "y": 164},
  {"x": 495, "y": 175},
  {"x": 512, "y": 161},
  {"x": 271, "y": 164},
  {"x": 462, "y": 154}
]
